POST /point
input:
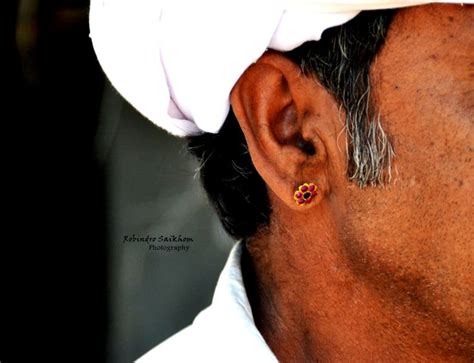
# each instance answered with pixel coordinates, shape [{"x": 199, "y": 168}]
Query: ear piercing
[{"x": 305, "y": 193}]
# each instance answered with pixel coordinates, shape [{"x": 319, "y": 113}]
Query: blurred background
[{"x": 82, "y": 170}]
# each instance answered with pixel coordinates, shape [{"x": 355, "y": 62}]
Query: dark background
[{"x": 81, "y": 169}]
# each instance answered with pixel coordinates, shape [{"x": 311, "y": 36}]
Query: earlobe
[{"x": 273, "y": 104}]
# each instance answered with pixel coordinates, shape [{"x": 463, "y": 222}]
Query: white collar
[{"x": 224, "y": 332}]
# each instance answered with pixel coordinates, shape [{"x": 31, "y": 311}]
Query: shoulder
[
  {"x": 224, "y": 332},
  {"x": 196, "y": 343},
  {"x": 216, "y": 336},
  {"x": 174, "y": 349}
]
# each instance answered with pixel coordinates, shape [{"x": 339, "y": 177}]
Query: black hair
[{"x": 340, "y": 61}]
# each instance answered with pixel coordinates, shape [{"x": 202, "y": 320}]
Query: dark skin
[{"x": 373, "y": 274}]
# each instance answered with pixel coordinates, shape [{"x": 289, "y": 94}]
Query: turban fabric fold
[{"x": 176, "y": 61}]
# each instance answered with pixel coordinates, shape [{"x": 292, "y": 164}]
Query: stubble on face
[{"x": 414, "y": 240}]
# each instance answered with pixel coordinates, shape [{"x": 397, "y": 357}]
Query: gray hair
[{"x": 341, "y": 62}]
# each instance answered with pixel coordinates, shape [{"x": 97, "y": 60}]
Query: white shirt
[{"x": 224, "y": 332}]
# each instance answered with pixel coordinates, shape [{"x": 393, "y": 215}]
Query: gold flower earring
[{"x": 305, "y": 193}]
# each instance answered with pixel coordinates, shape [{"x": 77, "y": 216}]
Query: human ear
[{"x": 290, "y": 122}]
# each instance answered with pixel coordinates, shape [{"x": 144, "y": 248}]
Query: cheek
[
  {"x": 416, "y": 236},
  {"x": 433, "y": 177},
  {"x": 414, "y": 239}
]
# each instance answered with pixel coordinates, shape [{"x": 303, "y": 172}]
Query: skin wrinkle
[{"x": 401, "y": 290}]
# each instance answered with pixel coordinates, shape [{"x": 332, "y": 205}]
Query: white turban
[{"x": 176, "y": 61}]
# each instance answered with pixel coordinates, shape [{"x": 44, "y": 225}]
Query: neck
[{"x": 310, "y": 304}]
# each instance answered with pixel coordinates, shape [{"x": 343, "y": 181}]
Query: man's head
[
  {"x": 377, "y": 113},
  {"x": 341, "y": 62},
  {"x": 403, "y": 222}
]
